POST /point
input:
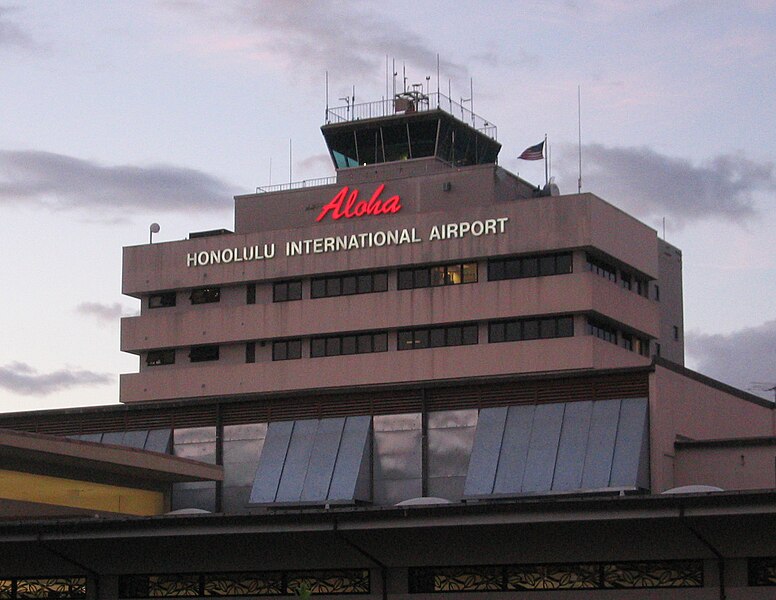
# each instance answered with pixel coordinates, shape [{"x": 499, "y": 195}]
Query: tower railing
[{"x": 407, "y": 103}]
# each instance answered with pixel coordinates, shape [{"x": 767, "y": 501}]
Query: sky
[{"x": 115, "y": 115}]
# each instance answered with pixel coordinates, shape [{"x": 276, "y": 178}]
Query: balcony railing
[{"x": 295, "y": 185}]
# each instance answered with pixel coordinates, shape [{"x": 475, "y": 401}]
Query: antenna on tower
[
  {"x": 437, "y": 80},
  {"x": 326, "y": 85},
  {"x": 579, "y": 126}
]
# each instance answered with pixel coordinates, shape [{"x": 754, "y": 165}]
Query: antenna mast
[{"x": 579, "y": 125}]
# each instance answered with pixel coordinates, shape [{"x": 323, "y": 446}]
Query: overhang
[{"x": 34, "y": 452}]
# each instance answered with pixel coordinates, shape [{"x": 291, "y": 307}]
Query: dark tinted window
[
  {"x": 162, "y": 300},
  {"x": 205, "y": 295}
]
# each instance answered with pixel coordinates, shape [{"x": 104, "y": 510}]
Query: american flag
[{"x": 534, "y": 152}]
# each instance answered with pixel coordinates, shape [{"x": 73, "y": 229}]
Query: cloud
[
  {"x": 23, "y": 379},
  {"x": 305, "y": 38},
  {"x": 110, "y": 313},
  {"x": 62, "y": 182},
  {"x": 740, "y": 358},
  {"x": 650, "y": 184},
  {"x": 11, "y": 35}
]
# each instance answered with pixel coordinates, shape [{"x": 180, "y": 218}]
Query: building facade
[{"x": 422, "y": 378}]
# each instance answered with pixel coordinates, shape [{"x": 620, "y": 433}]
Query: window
[
  {"x": 205, "y": 295},
  {"x": 203, "y": 353},
  {"x": 634, "y": 283},
  {"x": 250, "y": 293},
  {"x": 436, "y": 337},
  {"x": 250, "y": 352},
  {"x": 657, "y": 293},
  {"x": 287, "y": 350},
  {"x": 347, "y": 285},
  {"x": 286, "y": 291},
  {"x": 161, "y": 300},
  {"x": 516, "y": 330},
  {"x": 437, "y": 275},
  {"x": 340, "y": 345},
  {"x": 602, "y": 331},
  {"x": 155, "y": 358},
  {"x": 601, "y": 268},
  {"x": 516, "y": 267}
]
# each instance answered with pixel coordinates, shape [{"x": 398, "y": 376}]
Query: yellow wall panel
[{"x": 74, "y": 493}]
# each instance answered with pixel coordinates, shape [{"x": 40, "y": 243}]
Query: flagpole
[{"x": 546, "y": 172}]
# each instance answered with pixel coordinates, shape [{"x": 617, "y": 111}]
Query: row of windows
[
  {"x": 437, "y": 337},
  {"x": 507, "y": 330},
  {"x": 517, "y": 267},
  {"x": 627, "y": 280},
  {"x": 339, "y": 345},
  {"x": 515, "y": 330},
  {"x": 421, "y": 277},
  {"x": 513, "y": 267},
  {"x": 610, "y": 334},
  {"x": 347, "y": 285}
]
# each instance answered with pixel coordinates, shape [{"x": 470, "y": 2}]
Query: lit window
[{"x": 437, "y": 275}]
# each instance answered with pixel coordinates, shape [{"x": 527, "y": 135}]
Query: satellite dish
[{"x": 154, "y": 228}]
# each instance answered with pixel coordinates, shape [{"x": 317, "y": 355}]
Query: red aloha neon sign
[{"x": 349, "y": 206}]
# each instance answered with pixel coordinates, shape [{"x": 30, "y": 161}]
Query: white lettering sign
[{"x": 345, "y": 243}]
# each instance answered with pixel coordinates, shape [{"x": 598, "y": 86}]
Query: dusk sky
[{"x": 114, "y": 115}]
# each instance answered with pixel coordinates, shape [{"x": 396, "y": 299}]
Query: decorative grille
[
  {"x": 577, "y": 576},
  {"x": 268, "y": 583},
  {"x": 43, "y": 587}
]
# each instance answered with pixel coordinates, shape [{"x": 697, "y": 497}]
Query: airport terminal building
[{"x": 422, "y": 378}]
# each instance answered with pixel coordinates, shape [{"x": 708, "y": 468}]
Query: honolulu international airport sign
[{"x": 349, "y": 242}]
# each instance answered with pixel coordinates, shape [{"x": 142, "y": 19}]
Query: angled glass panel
[
  {"x": 600, "y": 445},
  {"x": 483, "y": 463},
  {"x": 158, "y": 440},
  {"x": 573, "y": 446},
  {"x": 135, "y": 439},
  {"x": 349, "y": 468},
  {"x": 514, "y": 449},
  {"x": 323, "y": 459},
  {"x": 631, "y": 445},
  {"x": 113, "y": 437},
  {"x": 545, "y": 438},
  {"x": 273, "y": 456},
  {"x": 297, "y": 461}
]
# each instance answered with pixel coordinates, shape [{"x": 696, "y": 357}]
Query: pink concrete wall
[
  {"x": 742, "y": 467},
  {"x": 682, "y": 406},
  {"x": 233, "y": 320},
  {"x": 535, "y": 225},
  {"x": 460, "y": 362}
]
